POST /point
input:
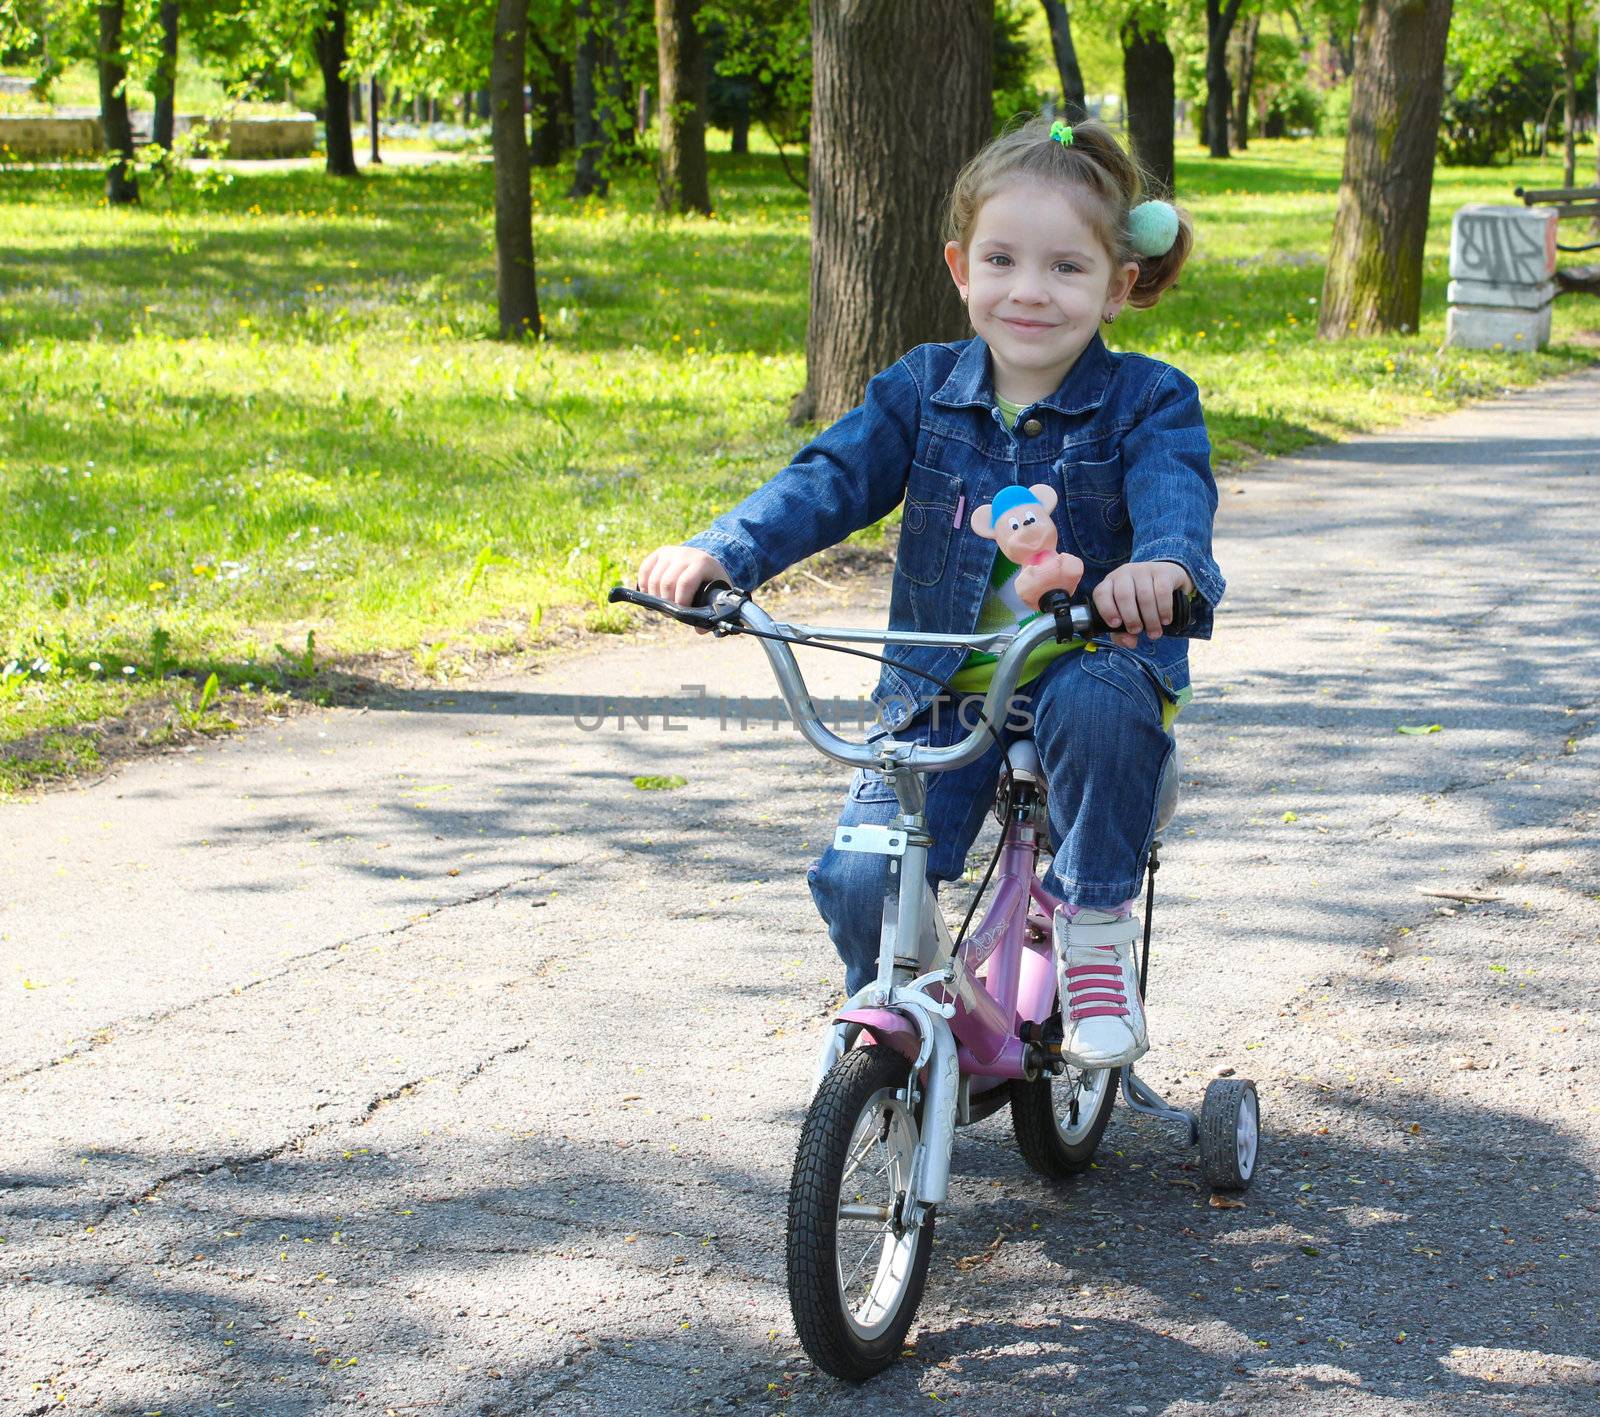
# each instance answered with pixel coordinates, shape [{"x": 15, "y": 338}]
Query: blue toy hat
[{"x": 1009, "y": 498}]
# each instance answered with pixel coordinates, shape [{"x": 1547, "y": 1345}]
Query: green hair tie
[
  {"x": 1152, "y": 228},
  {"x": 1062, "y": 133}
]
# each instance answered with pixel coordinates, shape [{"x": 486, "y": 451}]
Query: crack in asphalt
[
  {"x": 296, "y": 1142},
  {"x": 139, "y": 1023}
]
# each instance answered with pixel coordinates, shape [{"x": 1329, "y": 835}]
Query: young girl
[{"x": 1049, "y": 239}]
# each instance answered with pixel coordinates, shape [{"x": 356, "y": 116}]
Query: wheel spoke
[{"x": 874, "y": 1243}]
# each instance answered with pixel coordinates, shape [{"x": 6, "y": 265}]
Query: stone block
[
  {"x": 1514, "y": 297},
  {"x": 43, "y": 135},
  {"x": 1503, "y": 245},
  {"x": 294, "y": 135},
  {"x": 1482, "y": 327}
]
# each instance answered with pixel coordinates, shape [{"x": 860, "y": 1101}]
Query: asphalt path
[{"x": 412, "y": 1059}]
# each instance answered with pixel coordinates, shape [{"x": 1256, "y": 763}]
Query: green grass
[{"x": 236, "y": 417}]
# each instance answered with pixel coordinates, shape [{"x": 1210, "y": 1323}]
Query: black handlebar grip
[
  {"x": 709, "y": 591},
  {"x": 1059, "y": 604},
  {"x": 1180, "y": 614}
]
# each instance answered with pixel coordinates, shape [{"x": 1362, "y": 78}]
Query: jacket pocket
[
  {"x": 1096, "y": 509},
  {"x": 927, "y": 523}
]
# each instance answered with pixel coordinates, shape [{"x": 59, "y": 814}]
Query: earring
[{"x": 1110, "y": 319}]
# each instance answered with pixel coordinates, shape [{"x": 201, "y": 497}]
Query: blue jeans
[{"x": 1097, "y": 723}]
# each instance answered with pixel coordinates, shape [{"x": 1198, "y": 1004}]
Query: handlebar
[{"x": 720, "y": 608}]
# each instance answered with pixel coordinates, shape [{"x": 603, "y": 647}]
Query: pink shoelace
[{"x": 1095, "y": 990}]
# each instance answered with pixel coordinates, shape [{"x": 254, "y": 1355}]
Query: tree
[
  {"x": 1149, "y": 84},
  {"x": 550, "y": 83},
  {"x": 328, "y": 43},
  {"x": 684, "y": 182},
  {"x": 1562, "y": 18},
  {"x": 587, "y": 113},
  {"x": 760, "y": 59},
  {"x": 1247, "y": 68},
  {"x": 165, "y": 83},
  {"x": 1220, "y": 15},
  {"x": 1066, "y": 54},
  {"x": 515, "y": 284},
  {"x": 1374, "y": 278},
  {"x": 1507, "y": 63},
  {"x": 122, "y": 185},
  {"x": 901, "y": 99},
  {"x": 604, "y": 67}
]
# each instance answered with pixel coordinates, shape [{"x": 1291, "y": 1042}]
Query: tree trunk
[
  {"x": 1067, "y": 70},
  {"x": 619, "y": 96},
  {"x": 122, "y": 186},
  {"x": 642, "y": 111},
  {"x": 740, "y": 139},
  {"x": 165, "y": 79},
  {"x": 1219, "y": 91},
  {"x": 374, "y": 108},
  {"x": 331, "y": 55},
  {"x": 683, "y": 179},
  {"x": 1149, "y": 82},
  {"x": 1374, "y": 278},
  {"x": 1247, "y": 77},
  {"x": 588, "y": 176},
  {"x": 901, "y": 98},
  {"x": 513, "y": 196},
  {"x": 1571, "y": 60},
  {"x": 544, "y": 83}
]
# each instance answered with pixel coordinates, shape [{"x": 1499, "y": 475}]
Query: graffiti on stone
[{"x": 1495, "y": 247}]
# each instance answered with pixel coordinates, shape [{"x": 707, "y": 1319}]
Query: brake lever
[{"x": 701, "y": 616}]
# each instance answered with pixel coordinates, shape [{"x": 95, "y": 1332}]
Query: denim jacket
[{"x": 1122, "y": 441}]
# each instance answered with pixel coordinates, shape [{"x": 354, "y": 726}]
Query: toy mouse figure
[{"x": 1019, "y": 521}]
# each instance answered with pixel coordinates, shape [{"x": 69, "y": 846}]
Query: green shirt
[{"x": 1000, "y": 613}]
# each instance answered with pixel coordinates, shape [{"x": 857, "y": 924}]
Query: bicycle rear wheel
[
  {"x": 1058, "y": 1121},
  {"x": 856, "y": 1265}
]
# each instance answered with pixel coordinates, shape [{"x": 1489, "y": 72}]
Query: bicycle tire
[
  {"x": 837, "y": 1342},
  {"x": 1037, "y": 1127}
]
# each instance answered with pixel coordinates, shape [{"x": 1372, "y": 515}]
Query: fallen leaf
[
  {"x": 1222, "y": 1202},
  {"x": 1416, "y": 728}
]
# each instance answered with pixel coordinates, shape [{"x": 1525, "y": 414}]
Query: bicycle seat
[{"x": 1025, "y": 767}]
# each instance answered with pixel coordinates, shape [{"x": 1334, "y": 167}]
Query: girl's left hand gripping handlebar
[{"x": 703, "y": 615}]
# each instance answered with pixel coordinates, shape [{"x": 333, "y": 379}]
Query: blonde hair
[{"x": 1094, "y": 165}]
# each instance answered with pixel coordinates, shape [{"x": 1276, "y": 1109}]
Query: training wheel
[{"x": 1230, "y": 1133}]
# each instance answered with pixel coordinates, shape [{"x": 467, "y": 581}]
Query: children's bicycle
[{"x": 951, "y": 1031}]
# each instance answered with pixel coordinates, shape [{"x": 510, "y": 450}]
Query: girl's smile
[{"x": 1037, "y": 282}]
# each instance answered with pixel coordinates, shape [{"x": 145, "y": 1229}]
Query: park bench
[{"x": 1570, "y": 202}]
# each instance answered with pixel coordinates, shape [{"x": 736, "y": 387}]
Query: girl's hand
[
  {"x": 1138, "y": 598},
  {"x": 675, "y": 573}
]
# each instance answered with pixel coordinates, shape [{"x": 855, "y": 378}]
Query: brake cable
[{"x": 733, "y": 628}]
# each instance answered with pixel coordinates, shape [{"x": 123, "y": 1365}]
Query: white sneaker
[{"x": 1101, "y": 1014}]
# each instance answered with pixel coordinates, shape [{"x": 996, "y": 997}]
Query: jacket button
[{"x": 1033, "y": 428}]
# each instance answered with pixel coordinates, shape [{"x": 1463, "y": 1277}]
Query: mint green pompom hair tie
[
  {"x": 1062, "y": 133},
  {"x": 1152, "y": 228}
]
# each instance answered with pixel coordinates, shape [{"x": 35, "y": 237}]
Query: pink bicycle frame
[{"x": 1012, "y": 970}]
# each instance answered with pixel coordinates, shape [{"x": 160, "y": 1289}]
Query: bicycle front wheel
[{"x": 857, "y": 1265}]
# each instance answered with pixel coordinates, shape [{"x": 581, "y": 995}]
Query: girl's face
[{"x": 1037, "y": 283}]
